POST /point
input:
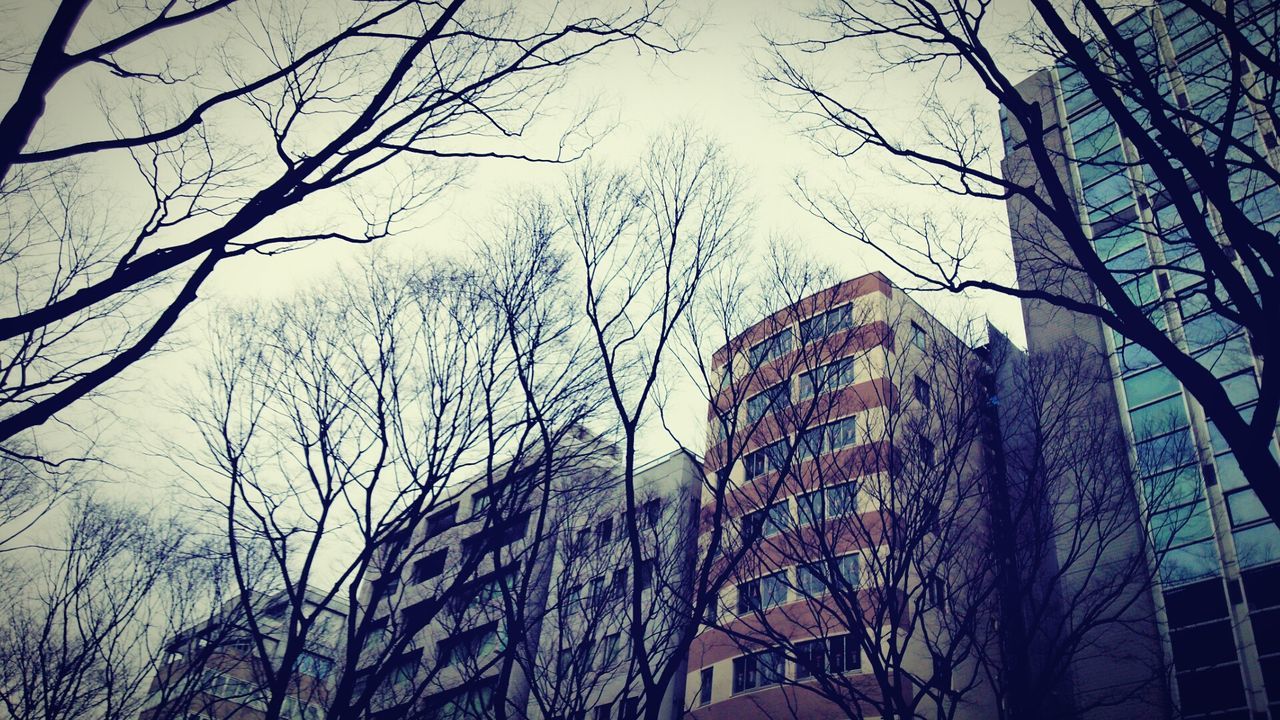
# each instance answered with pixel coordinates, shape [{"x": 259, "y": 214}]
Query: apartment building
[
  {"x": 850, "y": 429},
  {"x": 541, "y": 619},
  {"x": 212, "y": 671},
  {"x": 1215, "y": 611}
]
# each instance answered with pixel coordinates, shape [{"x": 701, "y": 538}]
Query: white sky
[{"x": 715, "y": 86}]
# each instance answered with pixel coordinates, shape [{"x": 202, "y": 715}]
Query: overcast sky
[{"x": 714, "y": 86}]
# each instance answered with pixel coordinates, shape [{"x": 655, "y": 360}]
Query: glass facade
[{"x": 1135, "y": 226}]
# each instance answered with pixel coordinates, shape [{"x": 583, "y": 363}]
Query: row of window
[
  {"x": 814, "y": 328},
  {"x": 812, "y": 508},
  {"x": 471, "y": 645},
  {"x": 838, "y": 654},
  {"x": 627, "y": 708},
  {"x": 825, "y": 438},
  {"x": 827, "y": 378},
  {"x": 812, "y": 580},
  {"x": 586, "y": 656},
  {"x": 600, "y": 589},
  {"x": 649, "y": 514}
]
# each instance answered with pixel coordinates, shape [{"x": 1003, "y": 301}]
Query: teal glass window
[{"x": 1150, "y": 385}]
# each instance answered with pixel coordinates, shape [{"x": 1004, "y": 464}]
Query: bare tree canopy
[
  {"x": 223, "y": 115},
  {"x": 1185, "y": 98}
]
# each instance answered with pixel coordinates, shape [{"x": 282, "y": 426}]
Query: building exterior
[
  {"x": 583, "y": 657},
  {"x": 211, "y": 670},
  {"x": 1214, "y": 615},
  {"x": 849, "y": 425},
  {"x": 543, "y": 626}
]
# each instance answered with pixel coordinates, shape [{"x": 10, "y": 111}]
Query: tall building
[
  {"x": 562, "y": 577},
  {"x": 1215, "y": 610},
  {"x": 851, "y": 422}
]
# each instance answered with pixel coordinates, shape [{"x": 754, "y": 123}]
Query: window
[
  {"x": 485, "y": 591},
  {"x": 769, "y": 400},
  {"x": 442, "y": 521},
  {"x": 771, "y": 348},
  {"x": 644, "y": 574},
  {"x": 469, "y": 645},
  {"x": 811, "y": 658},
  {"x": 766, "y": 459},
  {"x": 603, "y": 712},
  {"x": 604, "y": 533},
  {"x": 387, "y": 585},
  {"x": 619, "y": 586},
  {"x": 841, "y": 500},
  {"x": 762, "y": 593},
  {"x": 827, "y": 323},
  {"x": 845, "y": 654},
  {"x": 925, "y": 450},
  {"x": 826, "y": 438},
  {"x": 921, "y": 390},
  {"x": 314, "y": 665},
  {"x": 816, "y": 578},
  {"x": 810, "y": 507},
  {"x": 819, "y": 505},
  {"x": 480, "y": 502},
  {"x": 757, "y": 670},
  {"x": 767, "y": 522},
  {"x": 918, "y": 336},
  {"x": 630, "y": 709},
  {"x": 418, "y": 614},
  {"x": 430, "y": 567},
  {"x": 828, "y": 378},
  {"x": 705, "y": 679},
  {"x": 842, "y": 433},
  {"x": 935, "y": 591},
  {"x": 749, "y": 596},
  {"x": 611, "y": 645},
  {"x": 596, "y": 589},
  {"x": 497, "y": 537},
  {"x": 379, "y": 632},
  {"x": 838, "y": 654},
  {"x": 585, "y": 654},
  {"x": 1244, "y": 507},
  {"x": 461, "y": 703},
  {"x": 652, "y": 513}
]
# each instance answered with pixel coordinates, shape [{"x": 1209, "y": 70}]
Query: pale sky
[{"x": 715, "y": 87}]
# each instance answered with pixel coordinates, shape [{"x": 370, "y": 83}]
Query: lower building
[
  {"x": 543, "y": 620},
  {"x": 213, "y": 671}
]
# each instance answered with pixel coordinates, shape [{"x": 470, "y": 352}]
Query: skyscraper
[{"x": 1216, "y": 606}]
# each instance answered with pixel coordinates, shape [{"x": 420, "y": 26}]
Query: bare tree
[
  {"x": 1187, "y": 151},
  {"x": 344, "y": 429},
  {"x": 1077, "y": 561},
  {"x": 232, "y": 152},
  {"x": 656, "y": 248},
  {"x": 90, "y": 631}
]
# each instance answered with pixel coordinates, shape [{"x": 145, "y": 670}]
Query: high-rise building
[
  {"x": 1215, "y": 609},
  {"x": 851, "y": 421}
]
